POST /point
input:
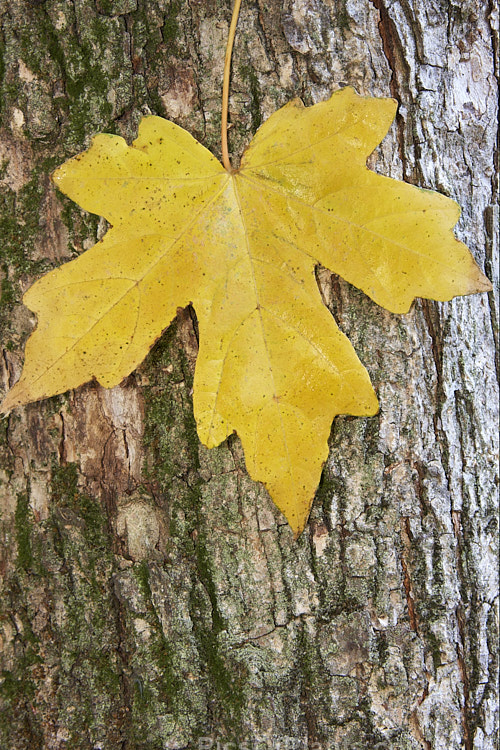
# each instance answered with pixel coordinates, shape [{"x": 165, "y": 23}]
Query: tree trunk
[{"x": 153, "y": 596}]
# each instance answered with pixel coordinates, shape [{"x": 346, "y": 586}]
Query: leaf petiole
[{"x": 225, "y": 85}]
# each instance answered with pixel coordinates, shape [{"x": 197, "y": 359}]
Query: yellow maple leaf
[{"x": 242, "y": 246}]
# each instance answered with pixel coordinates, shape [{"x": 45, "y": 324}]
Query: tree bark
[{"x": 152, "y": 595}]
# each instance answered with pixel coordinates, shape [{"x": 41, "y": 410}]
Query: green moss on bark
[
  {"x": 23, "y": 532},
  {"x": 161, "y": 650}
]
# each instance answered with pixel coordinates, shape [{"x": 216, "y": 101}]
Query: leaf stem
[{"x": 225, "y": 85}]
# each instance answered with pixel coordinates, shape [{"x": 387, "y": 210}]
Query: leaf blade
[
  {"x": 242, "y": 248},
  {"x": 266, "y": 315}
]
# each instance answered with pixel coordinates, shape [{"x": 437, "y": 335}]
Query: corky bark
[{"x": 152, "y": 595}]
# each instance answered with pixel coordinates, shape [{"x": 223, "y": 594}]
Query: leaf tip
[
  {"x": 297, "y": 530},
  {"x": 55, "y": 176},
  {"x": 297, "y": 516},
  {"x": 19, "y": 395},
  {"x": 482, "y": 284},
  {"x": 8, "y": 404}
]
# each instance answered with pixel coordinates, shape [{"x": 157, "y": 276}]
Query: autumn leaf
[{"x": 242, "y": 246}]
